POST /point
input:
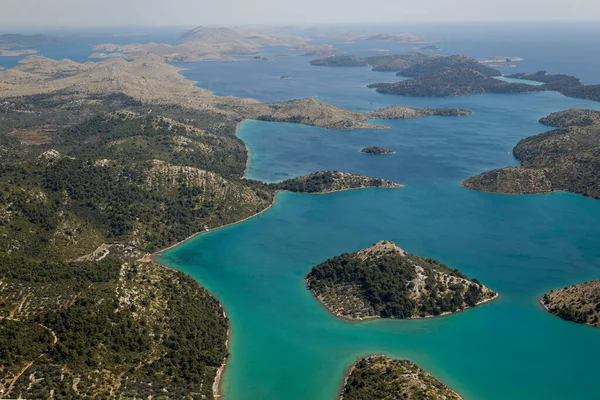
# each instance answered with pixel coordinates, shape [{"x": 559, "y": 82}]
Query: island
[
  {"x": 384, "y": 281},
  {"x": 564, "y": 159},
  {"x": 382, "y": 378},
  {"x": 577, "y": 303},
  {"x": 315, "y": 113},
  {"x": 383, "y": 63},
  {"x": 13, "y": 41},
  {"x": 403, "y": 37},
  {"x": 340, "y": 61},
  {"x": 459, "y": 75},
  {"x": 332, "y": 181},
  {"x": 399, "y": 112},
  {"x": 501, "y": 59},
  {"x": 17, "y": 53},
  {"x": 375, "y": 150}
]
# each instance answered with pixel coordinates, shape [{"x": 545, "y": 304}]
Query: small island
[
  {"x": 501, "y": 59},
  {"x": 382, "y": 378},
  {"x": 384, "y": 281},
  {"x": 565, "y": 159},
  {"x": 375, "y": 150},
  {"x": 578, "y": 303},
  {"x": 331, "y": 181}
]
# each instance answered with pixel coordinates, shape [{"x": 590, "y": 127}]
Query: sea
[{"x": 284, "y": 344}]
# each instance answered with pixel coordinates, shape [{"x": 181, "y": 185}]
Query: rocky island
[
  {"x": 382, "y": 378},
  {"x": 332, "y": 181},
  {"x": 564, "y": 159},
  {"x": 352, "y": 286},
  {"x": 578, "y": 303},
  {"x": 375, "y": 150}
]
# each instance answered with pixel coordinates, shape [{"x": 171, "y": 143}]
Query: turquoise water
[{"x": 286, "y": 346}]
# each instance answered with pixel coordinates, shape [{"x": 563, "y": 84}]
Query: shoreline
[
  {"x": 374, "y": 317},
  {"x": 153, "y": 256}
]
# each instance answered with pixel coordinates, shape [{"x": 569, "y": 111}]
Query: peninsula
[
  {"x": 384, "y": 281},
  {"x": 564, "y": 159},
  {"x": 382, "y": 378},
  {"x": 578, "y": 303},
  {"x": 376, "y": 150}
]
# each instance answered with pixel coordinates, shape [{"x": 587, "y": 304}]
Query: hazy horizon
[{"x": 180, "y": 13}]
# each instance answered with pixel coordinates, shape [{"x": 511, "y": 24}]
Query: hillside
[
  {"x": 578, "y": 303},
  {"x": 384, "y": 281},
  {"x": 379, "y": 377},
  {"x": 107, "y": 329},
  {"x": 565, "y": 159},
  {"x": 88, "y": 185}
]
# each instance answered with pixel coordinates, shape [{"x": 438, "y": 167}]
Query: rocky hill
[
  {"x": 384, "y": 281},
  {"x": 565, "y": 159},
  {"x": 379, "y": 377},
  {"x": 578, "y": 303}
]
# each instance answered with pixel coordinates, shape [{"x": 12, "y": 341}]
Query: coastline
[
  {"x": 153, "y": 256},
  {"x": 373, "y": 317}
]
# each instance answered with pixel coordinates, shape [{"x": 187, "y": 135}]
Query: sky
[{"x": 65, "y": 13}]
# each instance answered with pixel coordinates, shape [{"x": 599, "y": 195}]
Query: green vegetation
[
  {"x": 330, "y": 181},
  {"x": 340, "y": 61},
  {"x": 385, "y": 281},
  {"x": 458, "y": 75},
  {"x": 455, "y": 75},
  {"x": 122, "y": 329},
  {"x": 387, "y": 62},
  {"x": 578, "y": 303},
  {"x": 565, "y": 84},
  {"x": 565, "y": 159},
  {"x": 381, "y": 378},
  {"x": 88, "y": 185}
]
